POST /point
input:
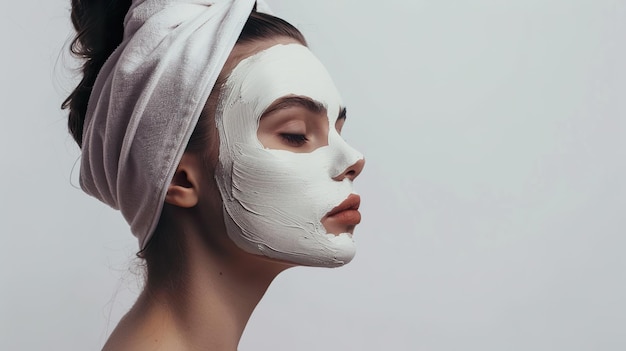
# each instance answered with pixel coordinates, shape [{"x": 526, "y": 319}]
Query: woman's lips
[{"x": 347, "y": 211}]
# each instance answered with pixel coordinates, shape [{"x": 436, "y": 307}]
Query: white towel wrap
[{"x": 147, "y": 99}]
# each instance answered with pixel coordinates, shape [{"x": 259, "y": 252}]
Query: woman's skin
[{"x": 220, "y": 285}]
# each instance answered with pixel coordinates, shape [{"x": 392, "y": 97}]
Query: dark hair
[{"x": 100, "y": 26}]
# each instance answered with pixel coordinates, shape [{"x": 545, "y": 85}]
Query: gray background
[{"x": 493, "y": 195}]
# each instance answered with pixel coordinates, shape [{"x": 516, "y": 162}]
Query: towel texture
[{"x": 147, "y": 99}]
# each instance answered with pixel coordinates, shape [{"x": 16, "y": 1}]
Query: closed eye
[
  {"x": 294, "y": 139},
  {"x": 341, "y": 120}
]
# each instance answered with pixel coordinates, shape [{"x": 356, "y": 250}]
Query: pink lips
[{"x": 347, "y": 211}]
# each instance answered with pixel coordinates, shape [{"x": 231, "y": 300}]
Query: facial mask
[{"x": 274, "y": 200}]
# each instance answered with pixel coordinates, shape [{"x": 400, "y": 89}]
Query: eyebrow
[{"x": 301, "y": 101}]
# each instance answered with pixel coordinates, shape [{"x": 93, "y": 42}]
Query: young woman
[{"x": 216, "y": 133}]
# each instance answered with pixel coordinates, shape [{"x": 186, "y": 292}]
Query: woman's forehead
[
  {"x": 241, "y": 51},
  {"x": 283, "y": 71}
]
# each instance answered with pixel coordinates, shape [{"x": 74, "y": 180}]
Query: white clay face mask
[{"x": 274, "y": 200}]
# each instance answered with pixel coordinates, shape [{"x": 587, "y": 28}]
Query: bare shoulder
[{"x": 139, "y": 331}]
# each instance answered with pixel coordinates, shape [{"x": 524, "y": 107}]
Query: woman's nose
[{"x": 352, "y": 172}]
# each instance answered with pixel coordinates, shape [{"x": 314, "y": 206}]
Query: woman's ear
[{"x": 183, "y": 190}]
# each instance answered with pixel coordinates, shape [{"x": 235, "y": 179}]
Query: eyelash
[{"x": 294, "y": 139}]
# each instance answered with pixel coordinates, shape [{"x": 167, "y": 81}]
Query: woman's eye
[{"x": 294, "y": 139}]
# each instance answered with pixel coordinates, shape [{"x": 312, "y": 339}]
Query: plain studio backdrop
[{"x": 493, "y": 195}]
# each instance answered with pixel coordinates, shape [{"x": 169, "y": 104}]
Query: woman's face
[{"x": 284, "y": 172}]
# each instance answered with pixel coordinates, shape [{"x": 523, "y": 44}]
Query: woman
[{"x": 215, "y": 132}]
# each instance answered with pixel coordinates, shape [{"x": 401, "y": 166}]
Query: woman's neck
[{"x": 206, "y": 306}]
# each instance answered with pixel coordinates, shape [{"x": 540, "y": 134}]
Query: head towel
[{"x": 147, "y": 99}]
